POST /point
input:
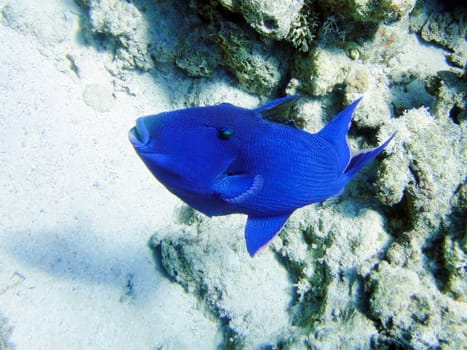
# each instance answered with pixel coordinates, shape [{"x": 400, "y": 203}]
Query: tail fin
[{"x": 358, "y": 161}]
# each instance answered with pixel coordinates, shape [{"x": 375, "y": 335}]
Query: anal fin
[{"x": 259, "y": 231}]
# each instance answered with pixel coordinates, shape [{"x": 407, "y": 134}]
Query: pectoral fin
[
  {"x": 260, "y": 231},
  {"x": 236, "y": 189}
]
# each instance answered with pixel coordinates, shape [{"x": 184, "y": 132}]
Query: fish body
[{"x": 226, "y": 159}]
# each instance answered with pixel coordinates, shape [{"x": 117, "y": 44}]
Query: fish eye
[{"x": 225, "y": 134}]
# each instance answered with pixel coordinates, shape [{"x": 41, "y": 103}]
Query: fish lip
[{"x": 139, "y": 134}]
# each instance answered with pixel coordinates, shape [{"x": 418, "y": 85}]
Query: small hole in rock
[
  {"x": 454, "y": 114},
  {"x": 270, "y": 23}
]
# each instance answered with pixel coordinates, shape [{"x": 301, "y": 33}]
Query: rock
[
  {"x": 413, "y": 313},
  {"x": 99, "y": 97},
  {"x": 142, "y": 36},
  {"x": 369, "y": 82},
  {"x": 50, "y": 24},
  {"x": 232, "y": 5},
  {"x": 455, "y": 261},
  {"x": 322, "y": 70},
  {"x": 417, "y": 170},
  {"x": 422, "y": 167},
  {"x": 200, "y": 62},
  {"x": 210, "y": 260},
  {"x": 332, "y": 249},
  {"x": 123, "y": 22},
  {"x": 454, "y": 255},
  {"x": 444, "y": 28},
  {"x": 271, "y": 18},
  {"x": 256, "y": 69},
  {"x": 370, "y": 11}
]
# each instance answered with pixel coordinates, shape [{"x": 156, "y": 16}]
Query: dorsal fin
[
  {"x": 336, "y": 134},
  {"x": 277, "y": 110}
]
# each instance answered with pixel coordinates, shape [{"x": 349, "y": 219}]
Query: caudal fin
[{"x": 358, "y": 161}]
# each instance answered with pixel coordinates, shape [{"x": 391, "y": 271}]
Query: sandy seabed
[
  {"x": 78, "y": 208},
  {"x": 76, "y": 211}
]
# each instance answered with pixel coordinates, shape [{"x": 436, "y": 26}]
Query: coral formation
[
  {"x": 381, "y": 266},
  {"x": 220, "y": 281},
  {"x": 447, "y": 29},
  {"x": 301, "y": 34},
  {"x": 454, "y": 246},
  {"x": 271, "y": 18},
  {"x": 128, "y": 29},
  {"x": 331, "y": 249},
  {"x": 417, "y": 317},
  {"x": 256, "y": 70},
  {"x": 369, "y": 10},
  {"x": 317, "y": 76},
  {"x": 123, "y": 23},
  {"x": 423, "y": 170}
]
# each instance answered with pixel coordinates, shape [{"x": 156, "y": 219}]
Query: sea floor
[{"x": 77, "y": 207}]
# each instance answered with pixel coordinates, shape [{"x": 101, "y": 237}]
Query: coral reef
[
  {"x": 276, "y": 20},
  {"x": 420, "y": 171},
  {"x": 194, "y": 46},
  {"x": 220, "y": 281},
  {"x": 123, "y": 23},
  {"x": 331, "y": 249},
  {"x": 447, "y": 29},
  {"x": 255, "y": 70},
  {"x": 317, "y": 76},
  {"x": 381, "y": 266},
  {"x": 260, "y": 66},
  {"x": 127, "y": 28},
  {"x": 368, "y": 10},
  {"x": 411, "y": 312},
  {"x": 271, "y": 18},
  {"x": 301, "y": 34}
]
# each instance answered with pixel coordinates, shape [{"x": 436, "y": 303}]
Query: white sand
[{"x": 77, "y": 206}]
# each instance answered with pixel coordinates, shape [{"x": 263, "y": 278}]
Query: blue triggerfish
[{"x": 226, "y": 159}]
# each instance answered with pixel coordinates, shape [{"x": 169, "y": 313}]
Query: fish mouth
[{"x": 139, "y": 135}]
